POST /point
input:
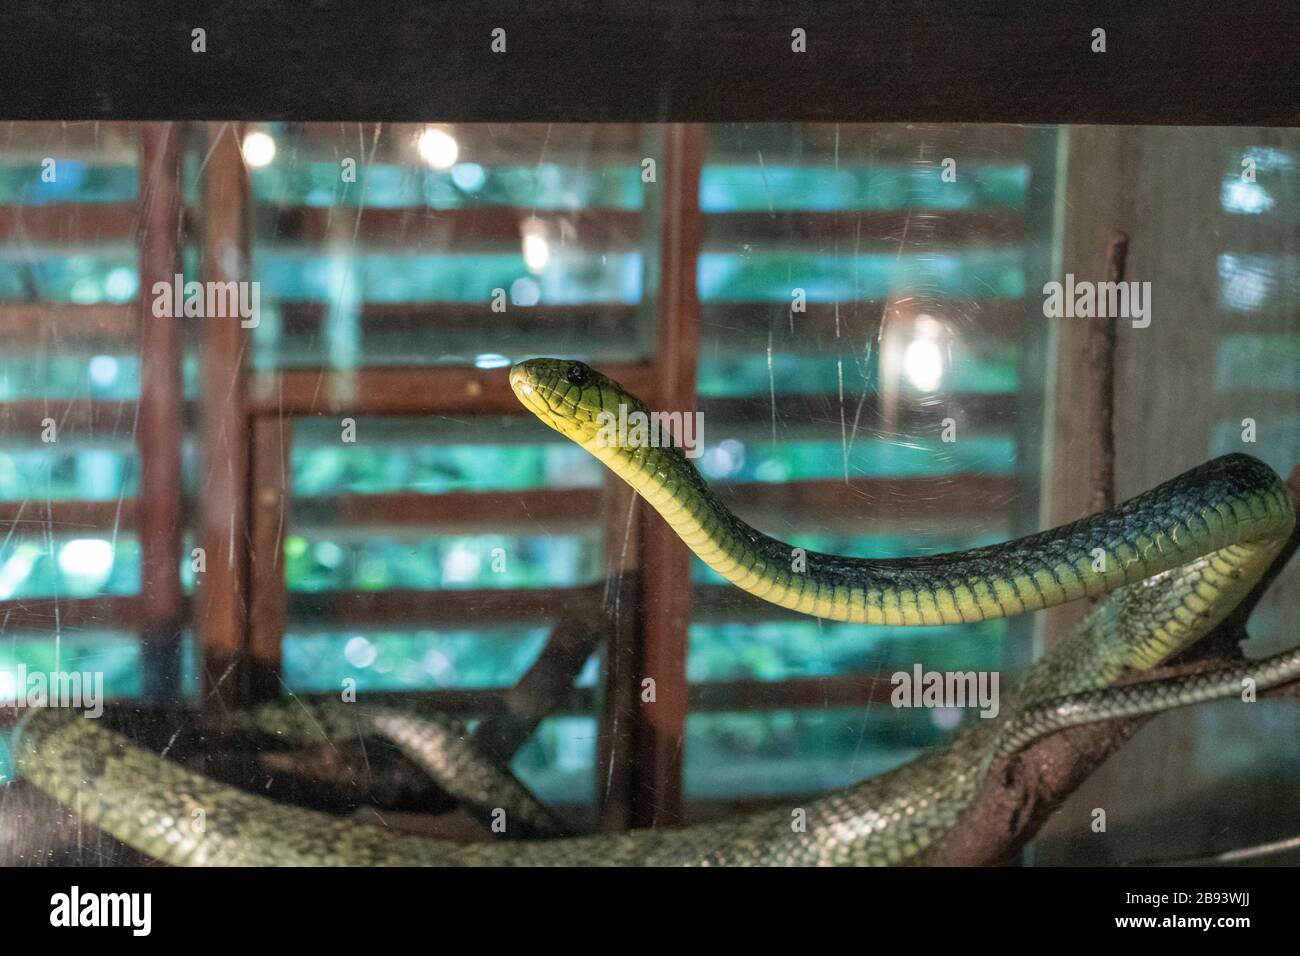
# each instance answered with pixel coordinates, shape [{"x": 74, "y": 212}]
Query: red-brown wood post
[
  {"x": 221, "y": 590},
  {"x": 158, "y": 427},
  {"x": 660, "y": 726},
  {"x": 272, "y": 438}
]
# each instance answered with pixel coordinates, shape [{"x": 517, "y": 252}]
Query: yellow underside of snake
[{"x": 1174, "y": 562}]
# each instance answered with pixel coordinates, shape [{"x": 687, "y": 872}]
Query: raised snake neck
[{"x": 1174, "y": 562}]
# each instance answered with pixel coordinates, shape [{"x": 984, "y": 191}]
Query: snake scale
[{"x": 1173, "y": 563}]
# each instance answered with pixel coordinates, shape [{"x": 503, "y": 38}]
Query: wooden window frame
[{"x": 245, "y": 495}]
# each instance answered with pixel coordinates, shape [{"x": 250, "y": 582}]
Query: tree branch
[{"x": 1022, "y": 791}]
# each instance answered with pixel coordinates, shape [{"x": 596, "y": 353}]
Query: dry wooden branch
[
  {"x": 572, "y": 641},
  {"x": 1102, "y": 339},
  {"x": 1022, "y": 791}
]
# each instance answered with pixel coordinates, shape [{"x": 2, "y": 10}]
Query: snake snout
[
  {"x": 519, "y": 377},
  {"x": 538, "y": 377}
]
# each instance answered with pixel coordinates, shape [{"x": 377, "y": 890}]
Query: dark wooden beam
[
  {"x": 816, "y": 417},
  {"x": 404, "y": 391},
  {"x": 470, "y": 228},
  {"x": 736, "y": 326},
  {"x": 66, "y": 325},
  {"x": 471, "y": 392},
  {"x": 497, "y": 228},
  {"x": 106, "y": 612},
  {"x": 799, "y": 693},
  {"x": 398, "y": 607},
  {"x": 880, "y": 505},
  {"x": 67, "y": 224},
  {"x": 272, "y": 439},
  {"x": 604, "y": 319},
  {"x": 871, "y": 230},
  {"x": 68, "y": 517},
  {"x": 503, "y": 719},
  {"x": 486, "y": 702},
  {"x": 988, "y": 320},
  {"x": 659, "y": 730},
  {"x": 494, "y": 703},
  {"x": 961, "y": 503},
  {"x": 796, "y": 693},
  {"x": 22, "y": 419},
  {"x": 978, "y": 322},
  {"x": 222, "y": 590},
  {"x": 158, "y": 426},
  {"x": 540, "y": 510}
]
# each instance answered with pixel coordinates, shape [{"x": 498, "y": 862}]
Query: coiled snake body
[{"x": 1174, "y": 561}]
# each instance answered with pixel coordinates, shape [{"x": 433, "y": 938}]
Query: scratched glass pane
[
  {"x": 430, "y": 227},
  {"x": 333, "y": 497}
]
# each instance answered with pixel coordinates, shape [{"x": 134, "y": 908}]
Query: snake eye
[{"x": 578, "y": 374}]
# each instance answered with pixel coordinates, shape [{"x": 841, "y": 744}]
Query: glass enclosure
[{"x": 336, "y": 492}]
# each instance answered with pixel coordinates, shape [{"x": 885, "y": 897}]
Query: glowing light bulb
[
  {"x": 437, "y": 147},
  {"x": 923, "y": 364},
  {"x": 537, "y": 250},
  {"x": 258, "y": 148},
  {"x": 89, "y": 560}
]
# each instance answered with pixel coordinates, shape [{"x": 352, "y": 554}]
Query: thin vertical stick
[{"x": 1102, "y": 341}]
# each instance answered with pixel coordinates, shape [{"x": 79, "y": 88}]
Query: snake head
[{"x": 570, "y": 396}]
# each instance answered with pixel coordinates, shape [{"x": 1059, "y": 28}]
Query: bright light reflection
[
  {"x": 460, "y": 566},
  {"x": 537, "y": 250},
  {"x": 120, "y": 284},
  {"x": 87, "y": 557},
  {"x": 468, "y": 176},
  {"x": 258, "y": 148},
  {"x": 360, "y": 652},
  {"x": 437, "y": 147},
  {"x": 329, "y": 554},
  {"x": 1247, "y": 281},
  {"x": 15, "y": 572},
  {"x": 1240, "y": 196},
  {"x": 103, "y": 370},
  {"x": 923, "y": 364},
  {"x": 725, "y": 459},
  {"x": 524, "y": 291}
]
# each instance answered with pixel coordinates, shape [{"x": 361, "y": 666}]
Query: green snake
[{"x": 1173, "y": 561}]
